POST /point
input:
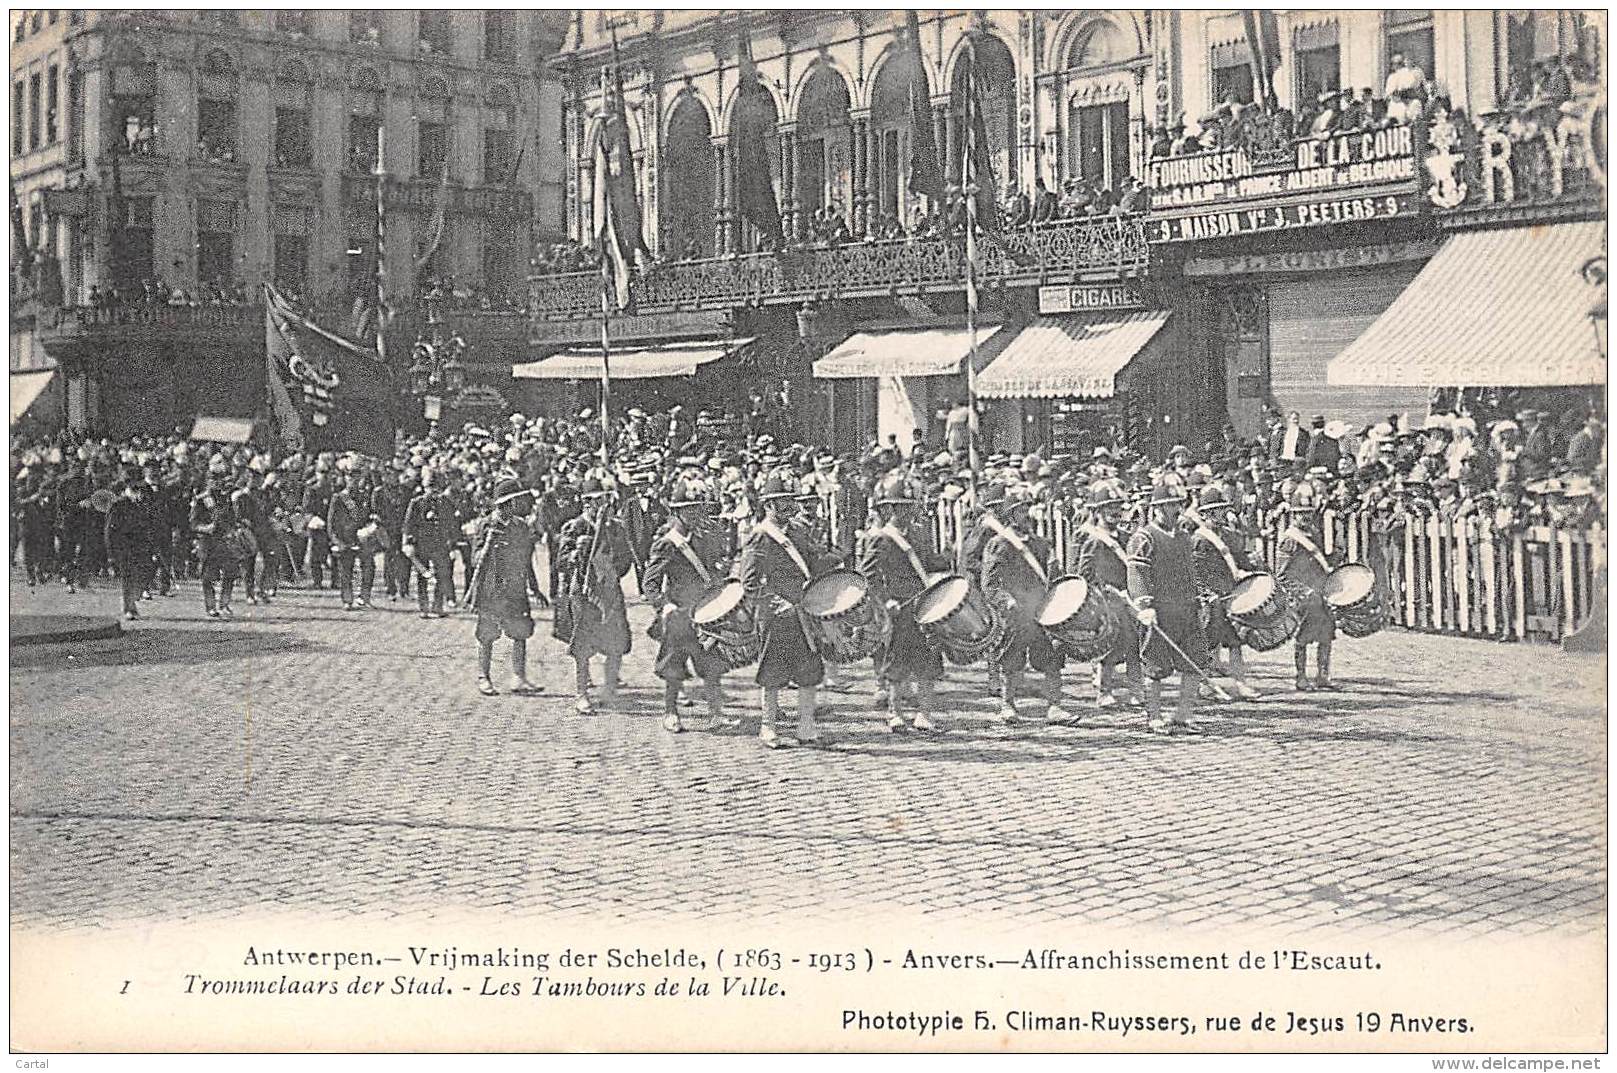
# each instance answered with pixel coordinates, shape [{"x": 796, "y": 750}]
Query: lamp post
[{"x": 435, "y": 365}]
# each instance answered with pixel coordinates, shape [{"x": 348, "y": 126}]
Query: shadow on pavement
[{"x": 149, "y": 645}]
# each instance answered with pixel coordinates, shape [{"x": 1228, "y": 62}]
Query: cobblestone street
[{"x": 302, "y": 758}]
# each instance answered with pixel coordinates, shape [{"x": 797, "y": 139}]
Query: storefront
[{"x": 1292, "y": 251}]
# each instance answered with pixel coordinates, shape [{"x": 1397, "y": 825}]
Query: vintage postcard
[{"x": 809, "y": 530}]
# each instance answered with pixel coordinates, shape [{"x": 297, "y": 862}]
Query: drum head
[
  {"x": 1066, "y": 596},
  {"x": 1251, "y": 593},
  {"x": 1349, "y": 584},
  {"x": 834, "y": 594},
  {"x": 941, "y": 599},
  {"x": 721, "y": 603}
]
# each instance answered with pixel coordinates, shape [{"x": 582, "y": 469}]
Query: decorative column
[
  {"x": 859, "y": 124},
  {"x": 940, "y": 138},
  {"x": 721, "y": 196},
  {"x": 788, "y": 180}
]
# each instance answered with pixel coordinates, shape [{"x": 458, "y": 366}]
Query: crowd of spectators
[
  {"x": 155, "y": 292},
  {"x": 450, "y": 293}
]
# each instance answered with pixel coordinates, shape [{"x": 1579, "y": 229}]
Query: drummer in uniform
[
  {"x": 1220, "y": 559},
  {"x": 777, "y": 562},
  {"x": 1102, "y": 562},
  {"x": 895, "y": 562},
  {"x": 1162, "y": 589},
  {"x": 597, "y": 622},
  {"x": 1016, "y": 574},
  {"x": 1302, "y": 566},
  {"x": 683, "y": 563}
]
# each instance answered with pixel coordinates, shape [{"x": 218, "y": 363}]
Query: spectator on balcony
[
  {"x": 1405, "y": 90},
  {"x": 1046, "y": 206},
  {"x": 1161, "y": 142},
  {"x": 1133, "y": 200},
  {"x": 1076, "y": 197},
  {"x": 1584, "y": 451},
  {"x": 1014, "y": 205},
  {"x": 1185, "y": 140}
]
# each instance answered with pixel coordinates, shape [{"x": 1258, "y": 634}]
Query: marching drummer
[
  {"x": 895, "y": 561},
  {"x": 1162, "y": 589},
  {"x": 1016, "y": 574},
  {"x": 683, "y": 564},
  {"x": 1220, "y": 559},
  {"x": 1301, "y": 564},
  {"x": 596, "y": 621},
  {"x": 777, "y": 562},
  {"x": 1102, "y": 562}
]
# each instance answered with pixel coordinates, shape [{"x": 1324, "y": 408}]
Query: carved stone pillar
[
  {"x": 722, "y": 209},
  {"x": 788, "y": 181}
]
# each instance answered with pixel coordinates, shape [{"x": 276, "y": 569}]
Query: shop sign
[
  {"x": 1081, "y": 298},
  {"x": 1340, "y": 162},
  {"x": 423, "y": 197},
  {"x": 1335, "y": 260},
  {"x": 1234, "y": 222}
]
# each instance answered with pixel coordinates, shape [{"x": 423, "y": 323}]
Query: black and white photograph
[{"x": 1060, "y": 530}]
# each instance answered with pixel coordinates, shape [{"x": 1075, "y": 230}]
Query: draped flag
[
  {"x": 925, "y": 175},
  {"x": 978, "y": 168},
  {"x": 754, "y": 125},
  {"x": 1263, "y": 41},
  {"x": 325, "y": 393},
  {"x": 617, "y": 211}
]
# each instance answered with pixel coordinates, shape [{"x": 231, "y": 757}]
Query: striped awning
[
  {"x": 906, "y": 352},
  {"x": 629, "y": 363},
  {"x": 25, "y": 388},
  {"x": 1075, "y": 356},
  {"x": 1500, "y": 308}
]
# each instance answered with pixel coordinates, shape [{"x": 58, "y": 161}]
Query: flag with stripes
[{"x": 617, "y": 210}]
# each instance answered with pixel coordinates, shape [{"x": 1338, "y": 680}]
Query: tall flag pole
[
  {"x": 969, "y": 181},
  {"x": 381, "y": 246}
]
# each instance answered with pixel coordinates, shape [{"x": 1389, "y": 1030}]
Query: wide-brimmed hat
[
  {"x": 1213, "y": 496},
  {"x": 688, "y": 494},
  {"x": 1164, "y": 490},
  {"x": 779, "y": 485},
  {"x": 1106, "y": 494},
  {"x": 507, "y": 490}
]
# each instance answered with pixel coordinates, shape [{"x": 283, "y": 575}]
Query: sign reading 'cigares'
[{"x": 1335, "y": 164}]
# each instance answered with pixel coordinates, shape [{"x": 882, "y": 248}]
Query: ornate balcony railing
[{"x": 1059, "y": 251}]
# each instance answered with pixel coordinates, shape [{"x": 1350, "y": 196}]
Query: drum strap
[
  {"x": 1014, "y": 539},
  {"x": 768, "y": 529},
  {"x": 1107, "y": 539},
  {"x": 679, "y": 540},
  {"x": 892, "y": 533},
  {"x": 1217, "y": 542},
  {"x": 1308, "y": 545}
]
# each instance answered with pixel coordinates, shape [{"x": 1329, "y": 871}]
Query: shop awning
[
  {"x": 222, "y": 429},
  {"x": 630, "y": 363},
  {"x": 906, "y": 352},
  {"x": 25, "y": 388},
  {"x": 1070, "y": 356},
  {"x": 1502, "y": 308}
]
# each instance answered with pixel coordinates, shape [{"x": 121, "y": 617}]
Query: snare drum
[
  {"x": 954, "y": 614},
  {"x": 843, "y": 623},
  {"x": 1350, "y": 593},
  {"x": 1262, "y": 612},
  {"x": 1078, "y": 619},
  {"x": 727, "y": 626}
]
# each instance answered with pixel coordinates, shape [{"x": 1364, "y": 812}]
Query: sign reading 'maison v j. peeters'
[{"x": 1339, "y": 178}]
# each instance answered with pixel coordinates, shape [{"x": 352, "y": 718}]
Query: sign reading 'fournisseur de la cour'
[{"x": 1330, "y": 168}]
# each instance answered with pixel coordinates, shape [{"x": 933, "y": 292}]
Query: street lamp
[{"x": 435, "y": 366}]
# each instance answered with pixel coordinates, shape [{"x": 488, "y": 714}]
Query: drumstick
[{"x": 1218, "y": 690}]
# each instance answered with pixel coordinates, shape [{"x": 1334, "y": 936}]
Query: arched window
[
  {"x": 293, "y": 138},
  {"x": 217, "y": 90},
  {"x": 1099, "y": 85},
  {"x": 890, "y": 139},
  {"x": 134, "y": 106},
  {"x": 822, "y": 145},
  {"x": 686, "y": 206},
  {"x": 753, "y": 119}
]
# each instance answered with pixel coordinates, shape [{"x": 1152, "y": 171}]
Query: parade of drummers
[{"x": 1115, "y": 413}]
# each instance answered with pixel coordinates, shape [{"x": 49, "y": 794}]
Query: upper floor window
[
  {"x": 433, "y": 32},
  {"x": 294, "y": 147},
  {"x": 216, "y": 110},
  {"x": 53, "y": 87},
  {"x": 365, "y": 27},
  {"x": 18, "y": 89},
  {"x": 1317, "y": 66},
  {"x": 499, "y": 121},
  {"x": 134, "y": 106},
  {"x": 432, "y": 129},
  {"x": 1546, "y": 55},
  {"x": 1411, "y": 58},
  {"x": 21, "y": 29},
  {"x": 1232, "y": 73},
  {"x": 35, "y": 21},
  {"x": 499, "y": 36},
  {"x": 364, "y": 120},
  {"x": 35, "y": 116}
]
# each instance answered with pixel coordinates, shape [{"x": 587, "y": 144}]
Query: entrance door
[{"x": 1246, "y": 359}]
